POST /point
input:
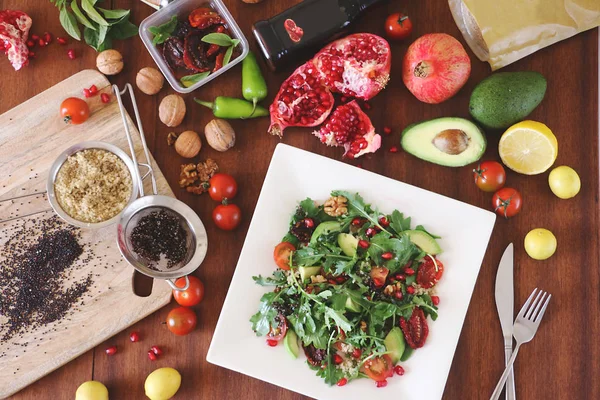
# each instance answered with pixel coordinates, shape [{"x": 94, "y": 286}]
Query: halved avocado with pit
[
  {"x": 325, "y": 228},
  {"x": 452, "y": 142}
]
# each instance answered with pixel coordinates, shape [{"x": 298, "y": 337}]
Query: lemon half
[{"x": 528, "y": 147}]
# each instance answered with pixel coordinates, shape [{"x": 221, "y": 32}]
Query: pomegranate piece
[
  {"x": 435, "y": 67},
  {"x": 301, "y": 101},
  {"x": 357, "y": 65},
  {"x": 14, "y": 30},
  {"x": 294, "y": 31},
  {"x": 350, "y": 127}
]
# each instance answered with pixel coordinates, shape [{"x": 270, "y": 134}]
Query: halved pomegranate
[
  {"x": 350, "y": 127},
  {"x": 357, "y": 65},
  {"x": 301, "y": 101}
]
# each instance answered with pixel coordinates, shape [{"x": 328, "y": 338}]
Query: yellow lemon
[
  {"x": 564, "y": 182},
  {"x": 91, "y": 390},
  {"x": 528, "y": 147},
  {"x": 162, "y": 384},
  {"x": 540, "y": 244}
]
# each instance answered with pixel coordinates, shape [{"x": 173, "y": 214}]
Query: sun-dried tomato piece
[
  {"x": 212, "y": 49},
  {"x": 219, "y": 62},
  {"x": 314, "y": 356},
  {"x": 428, "y": 274},
  {"x": 194, "y": 55},
  {"x": 415, "y": 329},
  {"x": 173, "y": 52},
  {"x": 204, "y": 17}
]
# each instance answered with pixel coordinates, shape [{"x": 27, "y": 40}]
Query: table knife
[{"x": 505, "y": 304}]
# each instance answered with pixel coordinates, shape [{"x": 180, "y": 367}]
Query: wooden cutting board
[{"x": 32, "y": 135}]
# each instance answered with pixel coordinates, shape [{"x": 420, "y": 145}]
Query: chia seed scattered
[{"x": 160, "y": 233}]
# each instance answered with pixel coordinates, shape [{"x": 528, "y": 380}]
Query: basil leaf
[
  {"x": 80, "y": 16},
  {"x": 113, "y": 14},
  {"x": 227, "y": 56},
  {"x": 91, "y": 37},
  {"x": 69, "y": 23},
  {"x": 94, "y": 15},
  {"x": 235, "y": 42},
  {"x": 107, "y": 44},
  {"x": 220, "y": 39},
  {"x": 190, "y": 80},
  {"x": 164, "y": 31},
  {"x": 123, "y": 30}
]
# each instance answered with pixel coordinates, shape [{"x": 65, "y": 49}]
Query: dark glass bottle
[{"x": 300, "y": 31}]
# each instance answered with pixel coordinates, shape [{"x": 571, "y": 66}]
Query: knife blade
[{"x": 505, "y": 305}]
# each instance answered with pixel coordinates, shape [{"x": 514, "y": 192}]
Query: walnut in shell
[
  {"x": 219, "y": 135},
  {"x": 188, "y": 144},
  {"x": 109, "y": 62},
  {"x": 149, "y": 80},
  {"x": 172, "y": 110}
]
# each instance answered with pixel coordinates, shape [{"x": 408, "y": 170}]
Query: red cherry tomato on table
[
  {"x": 181, "y": 320},
  {"x": 227, "y": 216},
  {"x": 489, "y": 176},
  {"x": 378, "y": 368},
  {"x": 507, "y": 202},
  {"x": 74, "y": 110},
  {"x": 428, "y": 275},
  {"x": 398, "y": 26},
  {"x": 222, "y": 186},
  {"x": 281, "y": 255},
  {"x": 190, "y": 296}
]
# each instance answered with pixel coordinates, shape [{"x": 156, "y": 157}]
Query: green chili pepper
[
  {"x": 254, "y": 87},
  {"x": 230, "y": 108}
]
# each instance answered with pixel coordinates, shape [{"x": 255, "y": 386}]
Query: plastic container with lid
[{"x": 182, "y": 9}]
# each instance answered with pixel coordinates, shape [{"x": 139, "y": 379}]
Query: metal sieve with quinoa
[{"x": 93, "y": 185}]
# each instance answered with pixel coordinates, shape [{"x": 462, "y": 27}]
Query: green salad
[{"x": 354, "y": 289}]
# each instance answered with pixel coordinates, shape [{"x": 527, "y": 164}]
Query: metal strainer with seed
[{"x": 197, "y": 241}]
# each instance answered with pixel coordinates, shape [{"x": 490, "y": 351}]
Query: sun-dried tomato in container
[{"x": 14, "y": 30}]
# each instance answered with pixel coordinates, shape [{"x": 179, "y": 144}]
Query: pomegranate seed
[
  {"x": 47, "y": 37},
  {"x": 400, "y": 277},
  {"x": 35, "y": 37},
  {"x": 152, "y": 356},
  {"x": 105, "y": 98},
  {"x": 367, "y": 106},
  {"x": 30, "y": 43},
  {"x": 309, "y": 223},
  {"x": 388, "y": 255},
  {"x": 7, "y": 46},
  {"x": 357, "y": 221},
  {"x": 344, "y": 99},
  {"x": 387, "y": 130},
  {"x": 332, "y": 281},
  {"x": 356, "y": 353},
  {"x": 381, "y": 384},
  {"x": 410, "y": 290},
  {"x": 394, "y": 149},
  {"x": 31, "y": 54},
  {"x": 41, "y": 42},
  {"x": 134, "y": 337},
  {"x": 272, "y": 342},
  {"x": 111, "y": 350},
  {"x": 93, "y": 89},
  {"x": 342, "y": 382},
  {"x": 71, "y": 54},
  {"x": 62, "y": 40},
  {"x": 156, "y": 350},
  {"x": 409, "y": 271},
  {"x": 435, "y": 300},
  {"x": 370, "y": 232},
  {"x": 383, "y": 221},
  {"x": 363, "y": 243},
  {"x": 359, "y": 166},
  {"x": 398, "y": 295},
  {"x": 337, "y": 359},
  {"x": 399, "y": 370},
  {"x": 87, "y": 93}
]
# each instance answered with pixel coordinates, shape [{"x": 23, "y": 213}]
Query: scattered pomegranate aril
[
  {"x": 383, "y": 221},
  {"x": 156, "y": 350},
  {"x": 381, "y": 384},
  {"x": 359, "y": 166},
  {"x": 399, "y": 370},
  {"x": 363, "y": 244},
  {"x": 356, "y": 353},
  {"x": 387, "y": 130},
  {"x": 62, "y": 40},
  {"x": 371, "y": 232},
  {"x": 332, "y": 281},
  {"x": 105, "y": 98},
  {"x": 400, "y": 277},
  {"x": 152, "y": 356},
  {"x": 394, "y": 149},
  {"x": 30, "y": 43},
  {"x": 87, "y": 93},
  {"x": 344, "y": 99},
  {"x": 41, "y": 42},
  {"x": 435, "y": 300},
  {"x": 93, "y": 89},
  {"x": 410, "y": 290},
  {"x": 35, "y": 37},
  {"x": 31, "y": 54},
  {"x": 47, "y": 37},
  {"x": 357, "y": 221},
  {"x": 367, "y": 105},
  {"x": 309, "y": 223},
  {"x": 398, "y": 295},
  {"x": 409, "y": 271},
  {"x": 337, "y": 359},
  {"x": 134, "y": 337},
  {"x": 342, "y": 382},
  {"x": 71, "y": 54},
  {"x": 387, "y": 255},
  {"x": 111, "y": 350},
  {"x": 272, "y": 342}
]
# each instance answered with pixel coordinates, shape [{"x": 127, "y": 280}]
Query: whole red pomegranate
[
  {"x": 435, "y": 67},
  {"x": 350, "y": 127}
]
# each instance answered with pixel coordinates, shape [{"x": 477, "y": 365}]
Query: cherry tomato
[
  {"x": 227, "y": 216},
  {"x": 181, "y": 320},
  {"x": 489, "y": 176},
  {"x": 398, "y": 26},
  {"x": 277, "y": 333},
  {"x": 378, "y": 368},
  {"x": 281, "y": 255},
  {"x": 415, "y": 329},
  {"x": 222, "y": 186},
  {"x": 190, "y": 296},
  {"x": 507, "y": 202},
  {"x": 74, "y": 110},
  {"x": 428, "y": 275}
]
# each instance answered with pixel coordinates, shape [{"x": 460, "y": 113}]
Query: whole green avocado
[{"x": 506, "y": 98}]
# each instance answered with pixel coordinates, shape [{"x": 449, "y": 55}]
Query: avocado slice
[
  {"x": 290, "y": 342},
  {"x": 505, "y": 98},
  {"x": 424, "y": 241},
  {"x": 351, "y": 305},
  {"x": 325, "y": 228},
  {"x": 452, "y": 142},
  {"x": 348, "y": 244},
  {"x": 395, "y": 344},
  {"x": 407, "y": 353},
  {"x": 307, "y": 272}
]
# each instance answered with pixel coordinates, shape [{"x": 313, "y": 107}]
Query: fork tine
[
  {"x": 526, "y": 305},
  {"x": 538, "y": 306},
  {"x": 543, "y": 310},
  {"x": 536, "y": 303}
]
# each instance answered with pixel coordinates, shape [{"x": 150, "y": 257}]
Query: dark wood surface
[{"x": 562, "y": 360}]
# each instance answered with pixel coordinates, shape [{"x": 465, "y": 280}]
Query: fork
[{"x": 526, "y": 325}]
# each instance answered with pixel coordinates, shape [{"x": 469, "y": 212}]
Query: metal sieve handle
[
  {"x": 148, "y": 163},
  {"x": 171, "y": 283}
]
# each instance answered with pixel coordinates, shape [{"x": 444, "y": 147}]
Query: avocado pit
[{"x": 451, "y": 141}]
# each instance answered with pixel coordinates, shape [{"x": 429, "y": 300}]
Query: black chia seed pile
[
  {"x": 160, "y": 233},
  {"x": 36, "y": 263}
]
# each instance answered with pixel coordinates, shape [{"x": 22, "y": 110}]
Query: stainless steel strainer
[{"x": 197, "y": 241}]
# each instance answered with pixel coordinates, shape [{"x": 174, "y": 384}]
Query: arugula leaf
[
  {"x": 338, "y": 301},
  {"x": 69, "y": 23},
  {"x": 309, "y": 207},
  {"x": 358, "y": 207},
  {"x": 291, "y": 239},
  {"x": 422, "y": 229},
  {"x": 402, "y": 248},
  {"x": 338, "y": 265},
  {"x": 278, "y": 279},
  {"x": 338, "y": 317},
  {"x": 307, "y": 257},
  {"x": 220, "y": 39},
  {"x": 261, "y": 321},
  {"x": 325, "y": 294},
  {"x": 164, "y": 31},
  {"x": 113, "y": 14},
  {"x": 398, "y": 223},
  {"x": 81, "y": 16},
  {"x": 426, "y": 304}
]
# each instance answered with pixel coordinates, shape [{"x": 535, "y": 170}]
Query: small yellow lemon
[
  {"x": 540, "y": 244},
  {"x": 564, "y": 182},
  {"x": 162, "y": 384},
  {"x": 91, "y": 390}
]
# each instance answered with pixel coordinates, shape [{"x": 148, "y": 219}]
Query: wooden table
[{"x": 560, "y": 363}]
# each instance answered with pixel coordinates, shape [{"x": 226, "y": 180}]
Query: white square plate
[{"x": 296, "y": 174}]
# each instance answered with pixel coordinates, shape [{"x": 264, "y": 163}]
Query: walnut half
[
  {"x": 207, "y": 169},
  {"x": 336, "y": 206},
  {"x": 188, "y": 175}
]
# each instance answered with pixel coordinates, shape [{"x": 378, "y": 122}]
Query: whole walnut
[
  {"x": 109, "y": 62},
  {"x": 188, "y": 144},
  {"x": 149, "y": 80},
  {"x": 219, "y": 135},
  {"x": 172, "y": 110}
]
